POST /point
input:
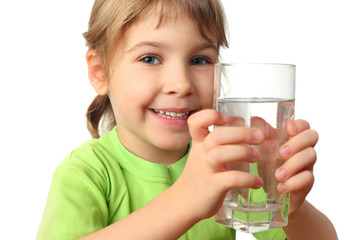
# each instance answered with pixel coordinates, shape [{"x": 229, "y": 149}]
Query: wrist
[
  {"x": 304, "y": 224},
  {"x": 299, "y": 211},
  {"x": 180, "y": 200}
]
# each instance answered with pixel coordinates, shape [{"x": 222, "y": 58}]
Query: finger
[
  {"x": 221, "y": 156},
  {"x": 302, "y": 160},
  {"x": 265, "y": 127},
  {"x": 295, "y": 127},
  {"x": 234, "y": 135},
  {"x": 235, "y": 121},
  {"x": 200, "y": 122},
  {"x": 237, "y": 179},
  {"x": 302, "y": 180},
  {"x": 307, "y": 138}
]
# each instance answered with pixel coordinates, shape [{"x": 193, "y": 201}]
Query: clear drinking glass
[{"x": 258, "y": 96}]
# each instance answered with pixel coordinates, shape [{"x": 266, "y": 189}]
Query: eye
[
  {"x": 149, "y": 59},
  {"x": 199, "y": 61}
]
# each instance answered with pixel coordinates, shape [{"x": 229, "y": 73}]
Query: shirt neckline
[{"x": 140, "y": 166}]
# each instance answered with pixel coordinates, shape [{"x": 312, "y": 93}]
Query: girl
[{"x": 151, "y": 63}]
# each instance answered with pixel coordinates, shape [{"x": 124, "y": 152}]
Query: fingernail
[
  {"x": 285, "y": 152},
  {"x": 294, "y": 128},
  {"x": 258, "y": 135},
  {"x": 254, "y": 155},
  {"x": 281, "y": 188},
  {"x": 259, "y": 182},
  {"x": 280, "y": 174}
]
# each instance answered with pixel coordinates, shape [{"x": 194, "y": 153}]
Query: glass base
[{"x": 252, "y": 222}]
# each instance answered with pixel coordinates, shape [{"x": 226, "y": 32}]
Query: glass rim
[{"x": 229, "y": 64}]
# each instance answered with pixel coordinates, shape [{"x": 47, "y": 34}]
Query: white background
[{"x": 45, "y": 93}]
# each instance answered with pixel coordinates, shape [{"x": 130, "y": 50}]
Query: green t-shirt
[{"x": 101, "y": 182}]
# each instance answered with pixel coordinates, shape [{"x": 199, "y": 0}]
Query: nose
[{"x": 179, "y": 82}]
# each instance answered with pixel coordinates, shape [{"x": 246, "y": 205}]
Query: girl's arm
[
  {"x": 162, "y": 218},
  {"x": 200, "y": 190},
  {"x": 309, "y": 223},
  {"x": 296, "y": 176}
]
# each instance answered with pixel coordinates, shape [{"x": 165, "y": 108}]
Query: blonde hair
[{"x": 109, "y": 20}]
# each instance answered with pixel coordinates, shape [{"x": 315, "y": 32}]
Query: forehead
[
  {"x": 158, "y": 16},
  {"x": 163, "y": 26},
  {"x": 173, "y": 34}
]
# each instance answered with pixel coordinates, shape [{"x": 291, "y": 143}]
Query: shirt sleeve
[{"x": 76, "y": 204}]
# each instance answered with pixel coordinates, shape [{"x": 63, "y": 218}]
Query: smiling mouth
[{"x": 171, "y": 115}]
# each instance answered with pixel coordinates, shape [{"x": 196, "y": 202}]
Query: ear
[{"x": 96, "y": 73}]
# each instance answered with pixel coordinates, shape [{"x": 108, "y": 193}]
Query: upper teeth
[{"x": 171, "y": 114}]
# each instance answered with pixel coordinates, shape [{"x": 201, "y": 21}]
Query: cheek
[
  {"x": 208, "y": 100},
  {"x": 206, "y": 95},
  {"x": 205, "y": 88},
  {"x": 132, "y": 92}
]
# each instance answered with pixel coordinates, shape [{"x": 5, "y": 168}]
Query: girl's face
[{"x": 160, "y": 76}]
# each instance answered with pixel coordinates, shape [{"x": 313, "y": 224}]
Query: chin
[{"x": 175, "y": 144}]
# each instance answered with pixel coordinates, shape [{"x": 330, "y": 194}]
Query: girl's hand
[
  {"x": 206, "y": 177},
  {"x": 296, "y": 174}
]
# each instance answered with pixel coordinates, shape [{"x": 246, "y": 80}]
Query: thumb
[{"x": 200, "y": 122}]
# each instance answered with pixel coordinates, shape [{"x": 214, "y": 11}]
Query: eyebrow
[
  {"x": 199, "y": 47},
  {"x": 144, "y": 44},
  {"x": 206, "y": 45}
]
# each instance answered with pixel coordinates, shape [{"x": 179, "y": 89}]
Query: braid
[{"x": 100, "y": 116}]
